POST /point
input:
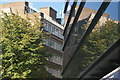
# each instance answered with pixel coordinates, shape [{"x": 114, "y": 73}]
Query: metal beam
[
  {"x": 70, "y": 15},
  {"x": 89, "y": 30},
  {"x": 66, "y": 6},
  {"x": 105, "y": 55},
  {"x": 75, "y": 21}
]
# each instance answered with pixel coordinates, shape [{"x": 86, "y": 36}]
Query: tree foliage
[
  {"x": 23, "y": 53},
  {"x": 101, "y": 38}
]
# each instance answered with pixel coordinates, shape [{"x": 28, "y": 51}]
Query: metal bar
[
  {"x": 89, "y": 30},
  {"x": 66, "y": 6},
  {"x": 75, "y": 20},
  {"x": 103, "y": 56},
  {"x": 70, "y": 15}
]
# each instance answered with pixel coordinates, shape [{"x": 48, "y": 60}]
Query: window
[
  {"x": 53, "y": 30},
  {"x": 56, "y": 32},
  {"x": 49, "y": 28},
  {"x": 61, "y": 47},
  {"x": 45, "y": 26},
  {"x": 53, "y": 44},
  {"x": 61, "y": 32}
]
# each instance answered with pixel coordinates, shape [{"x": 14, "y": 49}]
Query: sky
[{"x": 112, "y": 9}]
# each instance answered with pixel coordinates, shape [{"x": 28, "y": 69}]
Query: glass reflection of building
[{"x": 74, "y": 59}]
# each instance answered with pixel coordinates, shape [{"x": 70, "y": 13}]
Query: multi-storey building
[
  {"x": 87, "y": 15},
  {"x": 52, "y": 25}
]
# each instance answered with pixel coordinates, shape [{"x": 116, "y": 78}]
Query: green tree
[
  {"x": 23, "y": 53},
  {"x": 101, "y": 38}
]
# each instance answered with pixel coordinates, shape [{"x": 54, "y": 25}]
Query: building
[
  {"x": 87, "y": 15},
  {"x": 74, "y": 39},
  {"x": 51, "y": 24}
]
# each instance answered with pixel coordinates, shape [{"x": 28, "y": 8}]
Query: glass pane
[
  {"x": 53, "y": 30},
  {"x": 49, "y": 28},
  {"x": 102, "y": 37}
]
